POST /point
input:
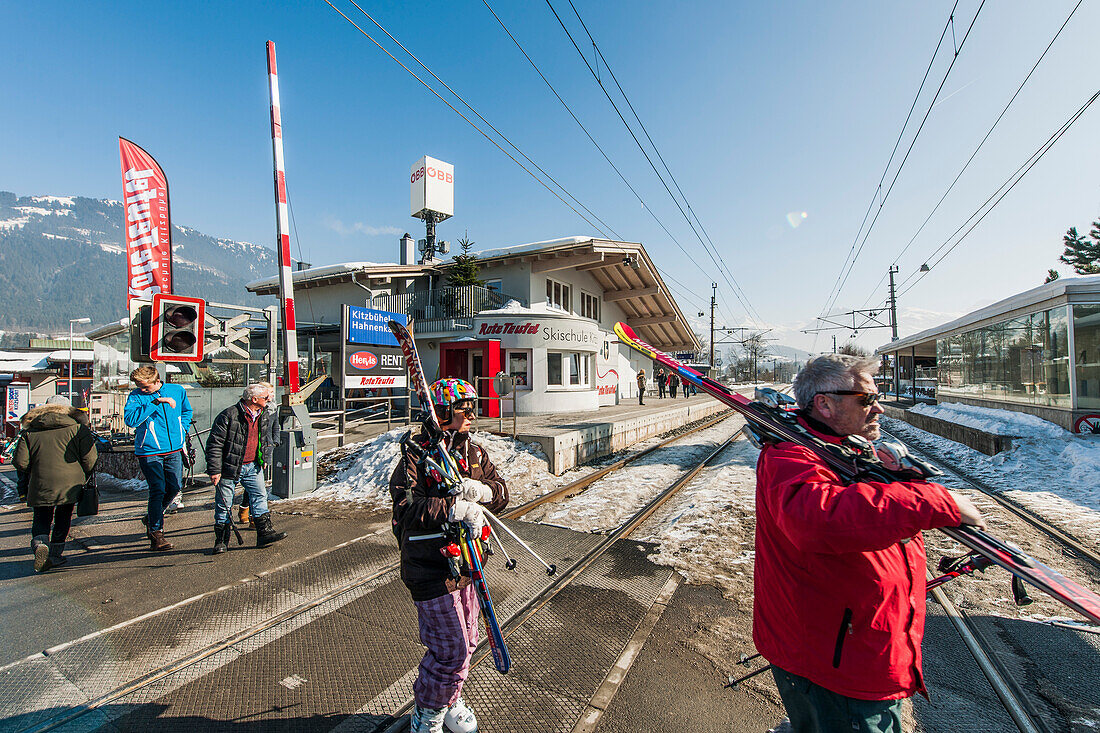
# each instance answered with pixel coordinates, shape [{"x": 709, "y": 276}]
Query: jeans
[
  {"x": 61, "y": 517},
  {"x": 163, "y": 473},
  {"x": 252, "y": 480},
  {"x": 813, "y": 709}
]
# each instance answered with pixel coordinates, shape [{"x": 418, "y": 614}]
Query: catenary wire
[
  {"x": 468, "y": 120},
  {"x": 732, "y": 283},
  {"x": 912, "y": 142},
  {"x": 576, "y": 119},
  {"x": 978, "y": 148},
  {"x": 652, "y": 144},
  {"x": 1002, "y": 191},
  {"x": 886, "y": 169}
]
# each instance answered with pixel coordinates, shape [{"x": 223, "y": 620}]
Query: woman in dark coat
[{"x": 56, "y": 453}]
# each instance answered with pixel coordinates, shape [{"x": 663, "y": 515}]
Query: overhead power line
[
  {"x": 1001, "y": 192},
  {"x": 846, "y": 270},
  {"x": 979, "y": 147},
  {"x": 731, "y": 281},
  {"x": 484, "y": 134}
]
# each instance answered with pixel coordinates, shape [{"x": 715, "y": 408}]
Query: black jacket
[
  {"x": 228, "y": 435},
  {"x": 420, "y": 507}
]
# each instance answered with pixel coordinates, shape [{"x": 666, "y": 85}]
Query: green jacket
[{"x": 57, "y": 452}]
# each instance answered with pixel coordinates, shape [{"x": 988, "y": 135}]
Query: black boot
[
  {"x": 221, "y": 538},
  {"x": 265, "y": 533}
]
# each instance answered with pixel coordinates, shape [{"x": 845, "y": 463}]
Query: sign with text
[
  {"x": 368, "y": 326},
  {"x": 540, "y": 331},
  {"x": 18, "y": 401},
  {"x": 147, "y": 224},
  {"x": 374, "y": 367}
]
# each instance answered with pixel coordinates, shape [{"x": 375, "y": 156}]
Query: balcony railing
[{"x": 450, "y": 308}]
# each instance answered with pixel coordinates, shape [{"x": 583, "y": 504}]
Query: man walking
[
  {"x": 241, "y": 441},
  {"x": 660, "y": 378},
  {"x": 161, "y": 415},
  {"x": 840, "y": 568}
]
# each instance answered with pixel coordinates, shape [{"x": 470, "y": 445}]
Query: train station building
[
  {"x": 544, "y": 318},
  {"x": 1037, "y": 352}
]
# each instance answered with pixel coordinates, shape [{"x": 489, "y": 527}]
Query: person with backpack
[{"x": 56, "y": 454}]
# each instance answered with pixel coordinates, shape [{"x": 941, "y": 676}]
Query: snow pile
[
  {"x": 363, "y": 475},
  {"x": 106, "y": 481},
  {"x": 992, "y": 420}
]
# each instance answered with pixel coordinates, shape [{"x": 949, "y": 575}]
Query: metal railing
[{"x": 450, "y": 308}]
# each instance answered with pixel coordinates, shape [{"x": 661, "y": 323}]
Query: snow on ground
[
  {"x": 1051, "y": 471},
  {"x": 106, "y": 481},
  {"x": 610, "y": 501},
  {"x": 992, "y": 420}
]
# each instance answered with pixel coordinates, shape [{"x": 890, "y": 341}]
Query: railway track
[
  {"x": 74, "y": 718},
  {"x": 1029, "y": 708}
]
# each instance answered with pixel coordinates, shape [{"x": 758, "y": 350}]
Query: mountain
[{"x": 61, "y": 257}]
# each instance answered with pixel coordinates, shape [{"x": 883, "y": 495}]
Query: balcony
[{"x": 445, "y": 309}]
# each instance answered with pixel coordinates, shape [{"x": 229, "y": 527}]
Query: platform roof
[
  {"x": 1047, "y": 295},
  {"x": 342, "y": 272}
]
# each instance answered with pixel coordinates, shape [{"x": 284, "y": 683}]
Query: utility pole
[
  {"x": 713, "y": 304},
  {"x": 893, "y": 306},
  {"x": 834, "y": 343}
]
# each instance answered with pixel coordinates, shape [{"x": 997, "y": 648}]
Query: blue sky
[{"x": 761, "y": 110}]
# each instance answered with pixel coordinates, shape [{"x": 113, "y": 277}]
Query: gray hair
[
  {"x": 258, "y": 389},
  {"x": 830, "y": 372}
]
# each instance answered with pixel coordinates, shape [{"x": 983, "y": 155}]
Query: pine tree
[
  {"x": 1052, "y": 275},
  {"x": 1083, "y": 254},
  {"x": 464, "y": 271}
]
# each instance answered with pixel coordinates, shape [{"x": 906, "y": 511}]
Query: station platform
[{"x": 317, "y": 633}]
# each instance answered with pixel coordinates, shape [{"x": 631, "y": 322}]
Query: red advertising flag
[{"x": 148, "y": 223}]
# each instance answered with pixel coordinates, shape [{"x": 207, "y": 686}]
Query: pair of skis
[
  {"x": 771, "y": 420},
  {"x": 442, "y": 467}
]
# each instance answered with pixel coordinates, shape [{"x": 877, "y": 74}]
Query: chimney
[
  {"x": 303, "y": 265},
  {"x": 408, "y": 250}
]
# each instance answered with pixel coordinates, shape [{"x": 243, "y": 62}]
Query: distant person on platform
[
  {"x": 673, "y": 383},
  {"x": 161, "y": 415},
  {"x": 641, "y": 386},
  {"x": 56, "y": 453},
  {"x": 840, "y": 568},
  {"x": 660, "y": 378},
  {"x": 446, "y": 605},
  {"x": 242, "y": 439}
]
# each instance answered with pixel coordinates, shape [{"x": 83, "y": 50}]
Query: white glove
[
  {"x": 474, "y": 490},
  {"x": 472, "y": 513}
]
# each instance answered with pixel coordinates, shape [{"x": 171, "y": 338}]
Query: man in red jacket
[{"x": 840, "y": 568}]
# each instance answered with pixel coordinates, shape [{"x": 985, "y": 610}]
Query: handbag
[{"x": 88, "y": 506}]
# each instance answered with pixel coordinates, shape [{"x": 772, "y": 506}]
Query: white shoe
[
  {"x": 426, "y": 720},
  {"x": 460, "y": 718}
]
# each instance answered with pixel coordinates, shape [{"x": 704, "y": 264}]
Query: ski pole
[
  {"x": 550, "y": 569},
  {"x": 509, "y": 563},
  {"x": 733, "y": 683}
]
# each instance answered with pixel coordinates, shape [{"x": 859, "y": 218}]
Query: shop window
[
  {"x": 590, "y": 306},
  {"x": 1086, "y": 342},
  {"x": 558, "y": 295},
  {"x": 518, "y": 362},
  {"x": 553, "y": 369}
]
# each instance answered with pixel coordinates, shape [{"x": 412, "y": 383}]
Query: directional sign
[{"x": 367, "y": 326}]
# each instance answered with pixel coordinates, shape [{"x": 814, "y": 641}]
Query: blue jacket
[{"x": 160, "y": 427}]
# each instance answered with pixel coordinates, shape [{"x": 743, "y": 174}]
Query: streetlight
[{"x": 72, "y": 381}]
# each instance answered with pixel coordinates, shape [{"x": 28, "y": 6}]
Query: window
[
  {"x": 493, "y": 285},
  {"x": 568, "y": 369},
  {"x": 605, "y": 352},
  {"x": 590, "y": 306},
  {"x": 558, "y": 295},
  {"x": 553, "y": 369},
  {"x": 517, "y": 368}
]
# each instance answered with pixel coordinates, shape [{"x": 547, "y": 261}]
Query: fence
[{"x": 450, "y": 308}]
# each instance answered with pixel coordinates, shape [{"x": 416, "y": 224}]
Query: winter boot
[
  {"x": 157, "y": 543},
  {"x": 221, "y": 538},
  {"x": 243, "y": 518},
  {"x": 41, "y": 547},
  {"x": 460, "y": 718},
  {"x": 426, "y": 720},
  {"x": 56, "y": 559},
  {"x": 265, "y": 532}
]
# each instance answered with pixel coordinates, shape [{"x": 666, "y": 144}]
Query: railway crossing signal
[{"x": 176, "y": 330}]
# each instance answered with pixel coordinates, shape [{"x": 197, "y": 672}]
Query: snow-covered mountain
[{"x": 61, "y": 257}]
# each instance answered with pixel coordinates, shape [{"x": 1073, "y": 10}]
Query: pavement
[{"x": 317, "y": 633}]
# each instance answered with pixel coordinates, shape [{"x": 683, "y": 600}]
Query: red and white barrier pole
[{"x": 286, "y": 282}]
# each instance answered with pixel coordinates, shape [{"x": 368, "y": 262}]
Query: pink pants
[{"x": 448, "y": 627}]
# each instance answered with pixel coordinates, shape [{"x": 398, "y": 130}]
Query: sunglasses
[
  {"x": 443, "y": 411},
  {"x": 866, "y": 398}
]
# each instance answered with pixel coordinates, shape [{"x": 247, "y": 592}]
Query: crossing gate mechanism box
[{"x": 295, "y": 470}]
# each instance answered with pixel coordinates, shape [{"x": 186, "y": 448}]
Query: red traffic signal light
[{"x": 177, "y": 328}]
